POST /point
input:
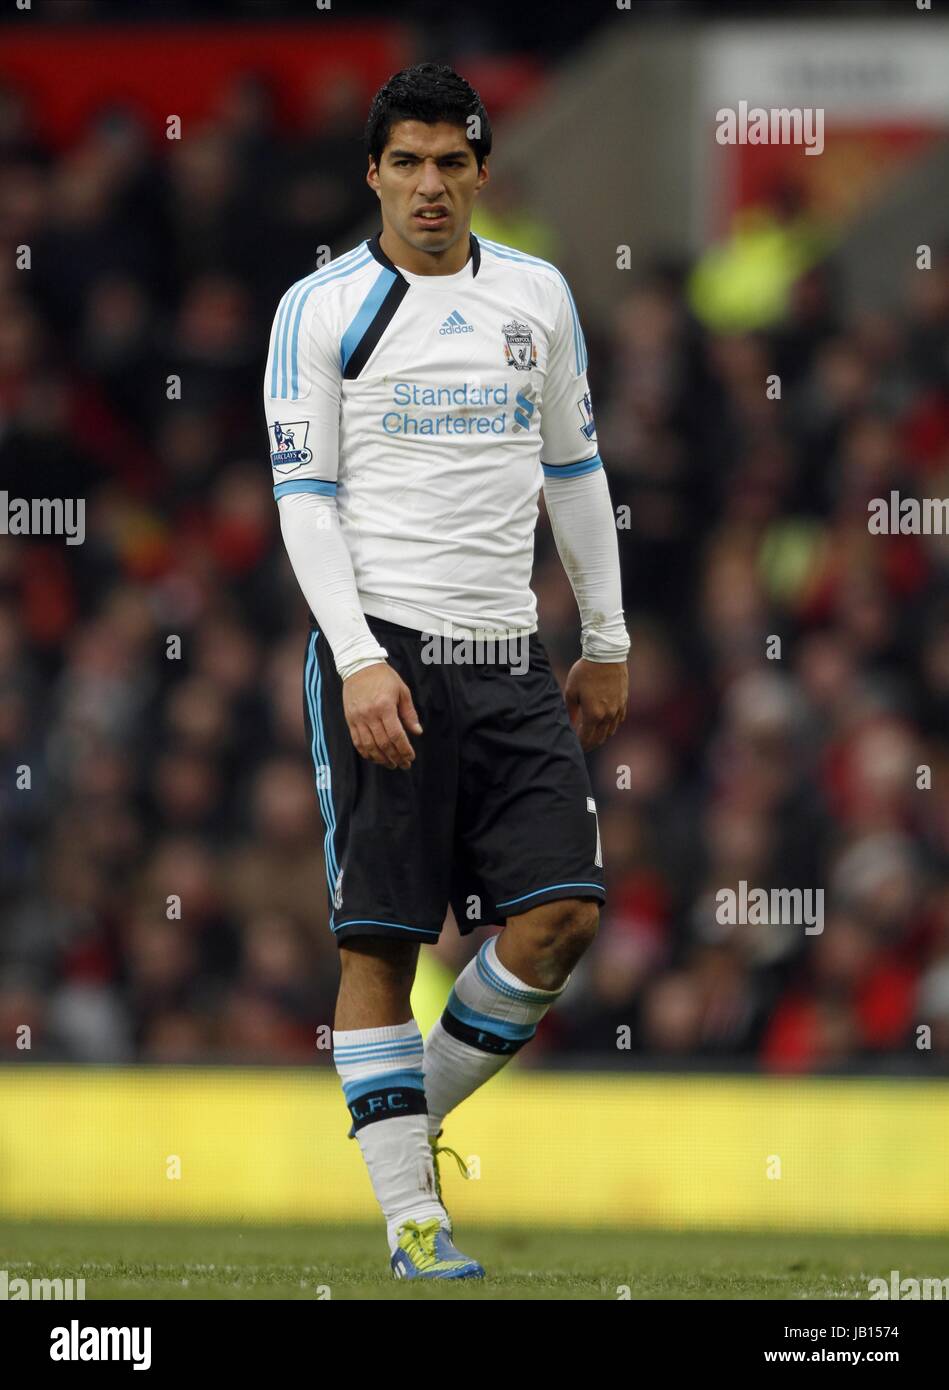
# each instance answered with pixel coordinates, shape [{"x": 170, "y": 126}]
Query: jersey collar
[{"x": 383, "y": 259}]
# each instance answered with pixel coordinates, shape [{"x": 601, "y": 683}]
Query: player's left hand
[{"x": 596, "y": 694}]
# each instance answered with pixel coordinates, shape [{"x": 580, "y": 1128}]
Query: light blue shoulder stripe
[
  {"x": 289, "y": 298},
  {"x": 351, "y": 270},
  {"x": 365, "y": 315},
  {"x": 508, "y": 253},
  {"x": 290, "y": 311},
  {"x": 579, "y": 342}
]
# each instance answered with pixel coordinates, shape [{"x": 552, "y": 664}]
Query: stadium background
[{"x": 200, "y": 1037}]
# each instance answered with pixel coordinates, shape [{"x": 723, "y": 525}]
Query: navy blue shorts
[{"x": 494, "y": 817}]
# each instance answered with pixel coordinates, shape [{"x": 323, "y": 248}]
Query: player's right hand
[{"x": 378, "y": 707}]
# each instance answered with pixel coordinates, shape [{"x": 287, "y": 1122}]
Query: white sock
[
  {"x": 381, "y": 1072},
  {"x": 489, "y": 1016}
]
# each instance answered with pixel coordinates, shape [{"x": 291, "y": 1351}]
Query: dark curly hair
[{"x": 429, "y": 92}]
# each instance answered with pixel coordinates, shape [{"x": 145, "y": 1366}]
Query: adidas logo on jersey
[{"x": 455, "y": 324}]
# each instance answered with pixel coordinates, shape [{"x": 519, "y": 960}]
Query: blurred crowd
[{"x": 162, "y": 892}]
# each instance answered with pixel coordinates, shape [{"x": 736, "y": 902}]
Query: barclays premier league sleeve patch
[
  {"x": 585, "y": 407},
  {"x": 288, "y": 449}
]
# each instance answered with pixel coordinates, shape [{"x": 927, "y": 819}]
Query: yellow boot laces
[{"x": 417, "y": 1239}]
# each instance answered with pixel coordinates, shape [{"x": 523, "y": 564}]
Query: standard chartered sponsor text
[{"x": 467, "y": 397}]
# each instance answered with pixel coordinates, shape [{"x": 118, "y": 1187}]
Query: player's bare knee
[
  {"x": 379, "y": 958},
  {"x": 558, "y": 934},
  {"x": 575, "y": 926}
]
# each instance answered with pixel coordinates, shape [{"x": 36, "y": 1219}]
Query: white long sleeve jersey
[{"x": 433, "y": 409}]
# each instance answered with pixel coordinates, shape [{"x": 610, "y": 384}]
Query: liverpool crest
[{"x": 519, "y": 350}]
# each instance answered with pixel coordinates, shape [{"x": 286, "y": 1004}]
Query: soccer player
[{"x": 419, "y": 391}]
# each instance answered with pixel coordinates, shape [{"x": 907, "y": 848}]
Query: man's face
[{"x": 427, "y": 180}]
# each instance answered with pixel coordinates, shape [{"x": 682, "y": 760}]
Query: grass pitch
[{"x": 234, "y": 1262}]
